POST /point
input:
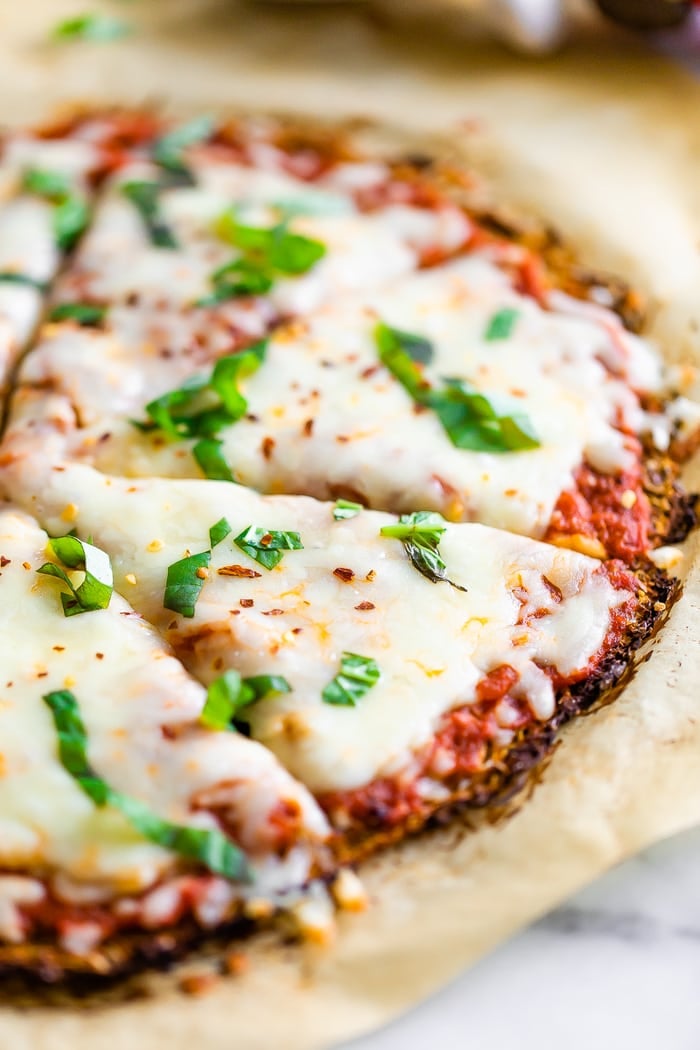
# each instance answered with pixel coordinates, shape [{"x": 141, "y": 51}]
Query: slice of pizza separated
[
  {"x": 260, "y": 303},
  {"x": 126, "y": 826}
]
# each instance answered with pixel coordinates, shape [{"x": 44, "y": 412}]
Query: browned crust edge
[{"x": 500, "y": 792}]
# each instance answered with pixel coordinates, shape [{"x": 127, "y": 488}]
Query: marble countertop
[{"x": 615, "y": 968}]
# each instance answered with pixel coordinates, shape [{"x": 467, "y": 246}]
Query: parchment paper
[{"x": 605, "y": 142}]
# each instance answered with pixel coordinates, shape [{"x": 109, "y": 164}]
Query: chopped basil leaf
[
  {"x": 274, "y": 248},
  {"x": 345, "y": 508},
  {"x": 417, "y": 347},
  {"x": 240, "y": 277},
  {"x": 180, "y": 414},
  {"x": 54, "y": 185},
  {"x": 420, "y": 534},
  {"x": 69, "y": 221},
  {"x": 96, "y": 589},
  {"x": 210, "y": 460},
  {"x": 12, "y": 277},
  {"x": 501, "y": 324},
  {"x": 210, "y": 847},
  {"x": 144, "y": 196},
  {"x": 266, "y": 547},
  {"x": 219, "y": 531},
  {"x": 184, "y": 583},
  {"x": 168, "y": 150},
  {"x": 473, "y": 422},
  {"x": 230, "y": 693},
  {"x": 469, "y": 418},
  {"x": 94, "y": 27},
  {"x": 356, "y": 677},
  {"x": 70, "y": 216},
  {"x": 88, "y": 314}
]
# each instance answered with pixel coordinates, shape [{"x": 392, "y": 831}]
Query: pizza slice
[
  {"x": 447, "y": 390},
  {"x": 419, "y": 663},
  {"x": 48, "y": 178},
  {"x": 128, "y": 829}
]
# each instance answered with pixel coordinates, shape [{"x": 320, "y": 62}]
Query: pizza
[{"x": 332, "y": 495}]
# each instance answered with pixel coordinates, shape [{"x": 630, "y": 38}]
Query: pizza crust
[{"x": 621, "y": 779}]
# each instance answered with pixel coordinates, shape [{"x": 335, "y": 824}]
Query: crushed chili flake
[
  {"x": 267, "y": 447},
  {"x": 247, "y": 603},
  {"x": 238, "y": 570},
  {"x": 365, "y": 606},
  {"x": 344, "y": 574}
]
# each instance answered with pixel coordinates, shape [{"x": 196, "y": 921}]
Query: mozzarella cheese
[
  {"x": 325, "y": 418},
  {"x": 27, "y": 242},
  {"x": 141, "y": 711},
  {"x": 116, "y": 261},
  {"x": 433, "y": 643}
]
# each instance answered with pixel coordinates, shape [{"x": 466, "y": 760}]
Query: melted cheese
[
  {"x": 432, "y": 642},
  {"x": 130, "y": 689},
  {"x": 27, "y": 242},
  {"x": 116, "y": 260},
  {"x": 325, "y": 417}
]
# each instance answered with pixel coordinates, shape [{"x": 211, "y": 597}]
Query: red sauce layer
[
  {"x": 466, "y": 741},
  {"x": 599, "y": 507}
]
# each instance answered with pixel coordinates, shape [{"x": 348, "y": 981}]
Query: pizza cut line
[{"x": 345, "y": 496}]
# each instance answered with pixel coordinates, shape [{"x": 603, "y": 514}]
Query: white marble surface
[{"x": 616, "y": 968}]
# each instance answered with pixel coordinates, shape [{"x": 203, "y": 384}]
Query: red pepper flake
[
  {"x": 238, "y": 570},
  {"x": 266, "y": 540},
  {"x": 198, "y": 983},
  {"x": 365, "y": 606},
  {"x": 370, "y": 575},
  {"x": 4, "y": 561},
  {"x": 59, "y": 648},
  {"x": 99, "y": 656},
  {"x": 342, "y": 439},
  {"x": 369, "y": 372},
  {"x": 247, "y": 603},
  {"x": 273, "y": 612},
  {"x": 43, "y": 674},
  {"x": 267, "y": 447},
  {"x": 344, "y": 574},
  {"x": 307, "y": 428},
  {"x": 26, "y": 565},
  {"x": 235, "y": 964}
]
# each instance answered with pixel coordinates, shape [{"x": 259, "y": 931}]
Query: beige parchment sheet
[{"x": 604, "y": 141}]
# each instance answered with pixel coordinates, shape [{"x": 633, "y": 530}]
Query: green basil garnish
[
  {"x": 181, "y": 413},
  {"x": 94, "y": 27},
  {"x": 417, "y": 347},
  {"x": 145, "y": 196},
  {"x": 267, "y": 546},
  {"x": 240, "y": 277},
  {"x": 356, "y": 677},
  {"x": 469, "y": 418},
  {"x": 184, "y": 583},
  {"x": 345, "y": 508},
  {"x": 274, "y": 248},
  {"x": 12, "y": 277},
  {"x": 219, "y": 531},
  {"x": 211, "y": 461},
  {"x": 96, "y": 589},
  {"x": 230, "y": 693},
  {"x": 420, "y": 534},
  {"x": 500, "y": 325},
  {"x": 209, "y": 847},
  {"x": 168, "y": 149},
  {"x": 70, "y": 215},
  {"x": 87, "y": 314}
]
